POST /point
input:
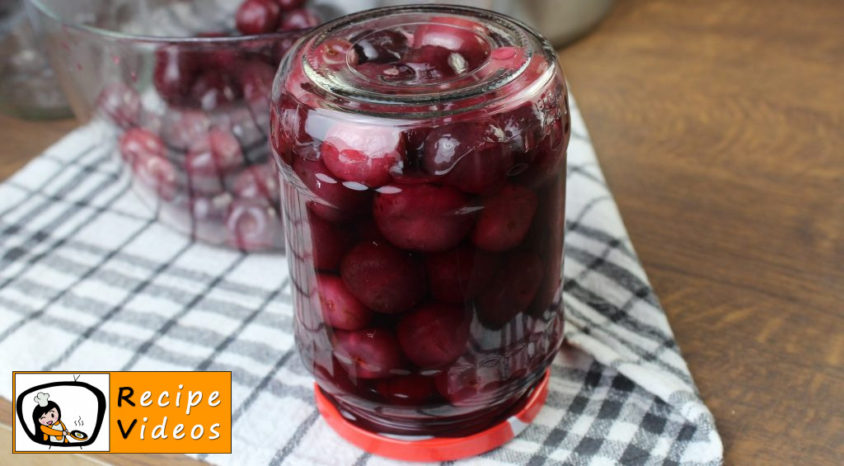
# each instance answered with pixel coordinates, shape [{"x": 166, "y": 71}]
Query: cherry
[
  {"x": 432, "y": 63},
  {"x": 121, "y": 105},
  {"x": 300, "y": 18},
  {"x": 511, "y": 290},
  {"x": 258, "y": 182},
  {"x": 468, "y": 382},
  {"x": 336, "y": 202},
  {"x": 209, "y": 160},
  {"x": 383, "y": 278},
  {"x": 328, "y": 243},
  {"x": 407, "y": 390},
  {"x": 504, "y": 59},
  {"x": 458, "y": 275},
  {"x": 217, "y": 55},
  {"x": 367, "y": 354},
  {"x": 256, "y": 80},
  {"x": 336, "y": 380},
  {"x": 339, "y": 308},
  {"x": 252, "y": 226},
  {"x": 363, "y": 154},
  {"x": 287, "y": 5},
  {"x": 174, "y": 74},
  {"x": 384, "y": 46},
  {"x": 549, "y": 157},
  {"x": 434, "y": 334},
  {"x": 257, "y": 16},
  {"x": 157, "y": 174},
  {"x": 287, "y": 123},
  {"x": 331, "y": 53},
  {"x": 241, "y": 123},
  {"x": 505, "y": 218},
  {"x": 138, "y": 143},
  {"x": 455, "y": 34},
  {"x": 522, "y": 129},
  {"x": 546, "y": 237},
  {"x": 422, "y": 217},
  {"x": 213, "y": 89},
  {"x": 415, "y": 141},
  {"x": 181, "y": 130},
  {"x": 470, "y": 155},
  {"x": 208, "y": 214}
]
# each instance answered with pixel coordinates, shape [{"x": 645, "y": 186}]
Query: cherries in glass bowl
[
  {"x": 422, "y": 153},
  {"x": 183, "y": 87}
]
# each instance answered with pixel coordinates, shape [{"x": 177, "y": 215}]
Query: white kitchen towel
[{"x": 85, "y": 268}]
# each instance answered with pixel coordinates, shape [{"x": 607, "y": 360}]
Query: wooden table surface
[{"x": 720, "y": 128}]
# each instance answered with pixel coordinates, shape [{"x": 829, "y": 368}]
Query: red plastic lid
[{"x": 436, "y": 449}]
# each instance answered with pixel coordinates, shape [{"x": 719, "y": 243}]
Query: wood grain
[{"x": 719, "y": 128}]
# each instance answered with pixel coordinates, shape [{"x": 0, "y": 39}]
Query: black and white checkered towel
[{"x": 89, "y": 281}]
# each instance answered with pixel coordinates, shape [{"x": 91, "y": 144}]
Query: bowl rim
[{"x": 114, "y": 35}]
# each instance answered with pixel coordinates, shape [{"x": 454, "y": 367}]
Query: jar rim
[{"x": 514, "y": 32}]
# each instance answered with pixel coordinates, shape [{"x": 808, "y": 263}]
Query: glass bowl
[{"x": 184, "y": 99}]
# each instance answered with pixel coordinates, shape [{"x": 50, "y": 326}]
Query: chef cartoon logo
[{"x": 57, "y": 411}]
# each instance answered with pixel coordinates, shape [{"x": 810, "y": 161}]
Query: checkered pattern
[{"x": 89, "y": 281}]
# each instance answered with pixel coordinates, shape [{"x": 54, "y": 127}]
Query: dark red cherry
[
  {"x": 336, "y": 202},
  {"x": 505, "y": 219},
  {"x": 214, "y": 89},
  {"x": 411, "y": 389},
  {"x": 287, "y": 123},
  {"x": 383, "y": 278},
  {"x": 434, "y": 334},
  {"x": 384, "y": 46},
  {"x": 138, "y": 143},
  {"x": 511, "y": 290},
  {"x": 181, "y": 130},
  {"x": 157, "y": 174},
  {"x": 468, "y": 382},
  {"x": 256, "y": 80},
  {"x": 504, "y": 59},
  {"x": 458, "y": 275},
  {"x": 328, "y": 242},
  {"x": 334, "y": 380},
  {"x": 332, "y": 53},
  {"x": 209, "y": 161},
  {"x": 422, "y": 217},
  {"x": 471, "y": 156},
  {"x": 287, "y": 5},
  {"x": 174, "y": 73},
  {"x": 363, "y": 154},
  {"x": 367, "y": 354},
  {"x": 340, "y": 309},
  {"x": 258, "y": 17},
  {"x": 522, "y": 129},
  {"x": 432, "y": 63},
  {"x": 208, "y": 215},
  {"x": 253, "y": 226},
  {"x": 301, "y": 18},
  {"x": 217, "y": 55},
  {"x": 258, "y": 182},
  {"x": 121, "y": 105},
  {"x": 455, "y": 34}
]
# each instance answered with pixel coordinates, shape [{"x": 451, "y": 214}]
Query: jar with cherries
[{"x": 422, "y": 152}]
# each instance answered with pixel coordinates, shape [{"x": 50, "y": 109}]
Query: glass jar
[{"x": 422, "y": 152}]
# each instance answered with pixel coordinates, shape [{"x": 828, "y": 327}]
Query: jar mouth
[{"x": 456, "y": 54}]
